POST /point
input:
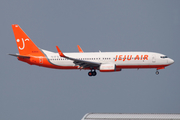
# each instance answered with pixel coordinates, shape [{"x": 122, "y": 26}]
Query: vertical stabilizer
[{"x": 24, "y": 43}]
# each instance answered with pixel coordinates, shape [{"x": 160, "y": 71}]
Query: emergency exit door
[{"x": 153, "y": 58}]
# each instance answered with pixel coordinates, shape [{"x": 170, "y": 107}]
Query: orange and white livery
[{"x": 102, "y": 61}]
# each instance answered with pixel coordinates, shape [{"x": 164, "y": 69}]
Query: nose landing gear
[
  {"x": 157, "y": 72},
  {"x": 92, "y": 73}
]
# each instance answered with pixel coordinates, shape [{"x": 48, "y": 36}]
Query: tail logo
[{"x": 18, "y": 40}]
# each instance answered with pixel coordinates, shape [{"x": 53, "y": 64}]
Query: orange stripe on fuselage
[{"x": 139, "y": 66}]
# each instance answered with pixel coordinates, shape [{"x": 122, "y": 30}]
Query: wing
[{"x": 81, "y": 63}]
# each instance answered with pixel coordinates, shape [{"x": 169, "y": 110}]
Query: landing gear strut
[
  {"x": 157, "y": 72},
  {"x": 92, "y": 73}
]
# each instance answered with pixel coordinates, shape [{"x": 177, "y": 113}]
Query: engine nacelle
[{"x": 108, "y": 68}]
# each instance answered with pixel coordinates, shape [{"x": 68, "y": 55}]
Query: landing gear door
[{"x": 153, "y": 58}]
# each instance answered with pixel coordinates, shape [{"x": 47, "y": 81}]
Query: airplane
[{"x": 102, "y": 61}]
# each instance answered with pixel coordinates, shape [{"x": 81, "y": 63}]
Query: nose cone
[{"x": 170, "y": 61}]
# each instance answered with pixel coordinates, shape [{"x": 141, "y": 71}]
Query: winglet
[
  {"x": 60, "y": 53},
  {"x": 79, "y": 48}
]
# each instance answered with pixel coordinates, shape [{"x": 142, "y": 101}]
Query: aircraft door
[
  {"x": 153, "y": 58},
  {"x": 41, "y": 60}
]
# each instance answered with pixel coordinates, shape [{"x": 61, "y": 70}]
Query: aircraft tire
[
  {"x": 90, "y": 73},
  {"x": 94, "y": 73},
  {"x": 157, "y": 72}
]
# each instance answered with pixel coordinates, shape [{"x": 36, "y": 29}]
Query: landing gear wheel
[
  {"x": 94, "y": 73},
  {"x": 90, "y": 73},
  {"x": 157, "y": 72}
]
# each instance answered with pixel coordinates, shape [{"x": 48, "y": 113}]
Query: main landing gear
[
  {"x": 157, "y": 72},
  {"x": 92, "y": 73}
]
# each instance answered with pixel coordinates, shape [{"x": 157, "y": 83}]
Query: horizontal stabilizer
[{"x": 17, "y": 55}]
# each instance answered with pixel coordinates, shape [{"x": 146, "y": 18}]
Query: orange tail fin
[{"x": 24, "y": 43}]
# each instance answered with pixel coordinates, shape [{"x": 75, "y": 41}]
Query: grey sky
[{"x": 36, "y": 93}]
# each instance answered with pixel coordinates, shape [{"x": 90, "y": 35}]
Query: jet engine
[{"x": 108, "y": 68}]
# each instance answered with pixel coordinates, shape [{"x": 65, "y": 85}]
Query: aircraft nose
[{"x": 171, "y": 61}]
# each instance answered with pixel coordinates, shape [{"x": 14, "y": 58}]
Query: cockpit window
[{"x": 164, "y": 56}]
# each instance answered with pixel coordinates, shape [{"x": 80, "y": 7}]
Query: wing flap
[{"x": 86, "y": 64}]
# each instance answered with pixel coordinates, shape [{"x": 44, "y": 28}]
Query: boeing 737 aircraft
[{"x": 102, "y": 61}]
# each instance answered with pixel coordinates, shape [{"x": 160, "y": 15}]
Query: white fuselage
[{"x": 120, "y": 59}]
